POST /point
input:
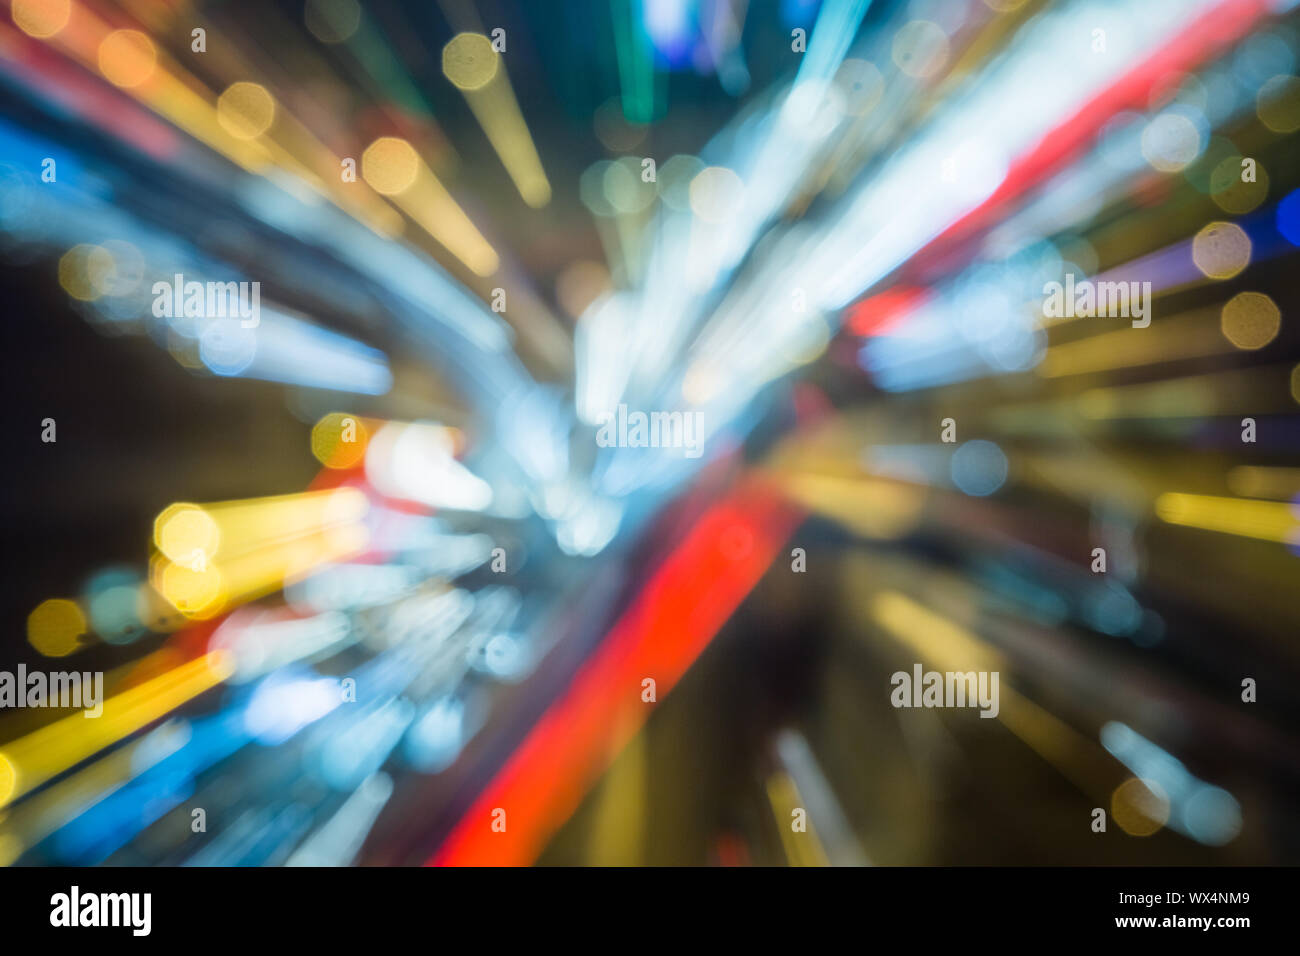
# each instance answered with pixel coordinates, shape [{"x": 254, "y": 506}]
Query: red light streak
[{"x": 684, "y": 604}]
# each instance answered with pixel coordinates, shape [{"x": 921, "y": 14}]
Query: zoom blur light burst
[{"x": 670, "y": 432}]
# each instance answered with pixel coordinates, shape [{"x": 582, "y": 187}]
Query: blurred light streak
[
  {"x": 723, "y": 29},
  {"x": 37, "y": 817},
  {"x": 353, "y": 752},
  {"x": 416, "y": 626},
  {"x": 259, "y": 642},
  {"x": 670, "y": 24},
  {"x": 1206, "y": 813},
  {"x": 211, "y": 556},
  {"x": 618, "y": 835},
  {"x": 905, "y": 169},
  {"x": 836, "y": 26},
  {"x": 391, "y": 166},
  {"x": 801, "y": 848},
  {"x": 1213, "y": 28},
  {"x": 289, "y": 144},
  {"x": 354, "y": 586},
  {"x": 731, "y": 362},
  {"x": 169, "y": 91},
  {"x": 1177, "y": 338},
  {"x": 415, "y": 462},
  {"x": 1236, "y": 391},
  {"x": 800, "y": 764},
  {"x": 49, "y": 77},
  {"x": 709, "y": 268},
  {"x": 1076, "y": 757},
  {"x": 423, "y": 549},
  {"x": 601, "y": 371},
  {"x": 1250, "y": 518},
  {"x": 683, "y": 604},
  {"x": 628, "y": 202},
  {"x": 611, "y": 231},
  {"x": 636, "y": 70},
  {"x": 415, "y": 281},
  {"x": 228, "y": 528},
  {"x": 949, "y": 646},
  {"x": 205, "y": 593},
  {"x": 940, "y": 640},
  {"x": 437, "y": 735},
  {"x": 543, "y": 333},
  {"x": 287, "y": 349},
  {"x": 29, "y": 761},
  {"x": 380, "y": 66},
  {"x": 660, "y": 310},
  {"x": 243, "y": 839},
  {"x": 475, "y": 68},
  {"x": 121, "y": 814},
  {"x": 435, "y": 308},
  {"x": 589, "y": 526},
  {"x": 286, "y": 702},
  {"x": 791, "y": 133},
  {"x": 1251, "y": 481},
  {"x": 535, "y": 422},
  {"x": 878, "y": 313},
  {"x": 880, "y": 509},
  {"x": 339, "y": 840},
  {"x": 924, "y": 464},
  {"x": 182, "y": 100}
]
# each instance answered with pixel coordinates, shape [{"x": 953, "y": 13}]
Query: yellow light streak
[
  {"x": 801, "y": 848},
  {"x": 876, "y": 508},
  {"x": 475, "y": 68},
  {"x": 1129, "y": 348},
  {"x": 217, "y": 554},
  {"x": 1245, "y": 517},
  {"x": 392, "y": 166},
  {"x": 227, "y": 528},
  {"x": 167, "y": 89},
  {"x": 36, "y": 818},
  {"x": 31, "y": 760},
  {"x": 949, "y": 646}
]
